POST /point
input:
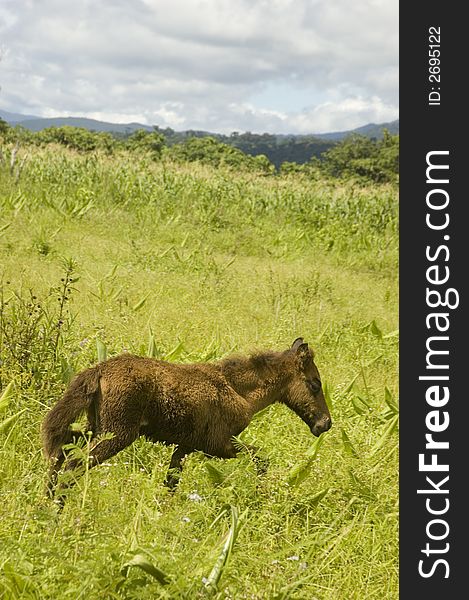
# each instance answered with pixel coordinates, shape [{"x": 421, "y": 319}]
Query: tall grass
[
  {"x": 361, "y": 222},
  {"x": 189, "y": 263}
]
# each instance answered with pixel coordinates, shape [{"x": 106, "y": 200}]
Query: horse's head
[{"x": 304, "y": 393}]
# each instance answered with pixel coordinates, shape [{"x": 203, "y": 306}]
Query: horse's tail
[{"x": 82, "y": 392}]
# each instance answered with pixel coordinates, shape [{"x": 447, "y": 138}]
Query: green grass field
[{"x": 101, "y": 255}]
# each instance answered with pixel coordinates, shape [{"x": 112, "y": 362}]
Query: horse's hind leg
[
  {"x": 56, "y": 464},
  {"x": 123, "y": 422},
  {"x": 125, "y": 431},
  {"x": 175, "y": 467},
  {"x": 103, "y": 449}
]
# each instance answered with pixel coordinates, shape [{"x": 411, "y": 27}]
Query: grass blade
[
  {"x": 102, "y": 350},
  {"x": 375, "y": 330},
  {"x": 360, "y": 405},
  {"x": 140, "y": 303},
  {"x": 385, "y": 435},
  {"x": 373, "y": 360},
  {"x": 363, "y": 490},
  {"x": 302, "y": 469},
  {"x": 216, "y": 476},
  {"x": 326, "y": 390},
  {"x": 140, "y": 561},
  {"x": 211, "y": 582},
  {"x": 388, "y": 398},
  {"x": 347, "y": 444},
  {"x": 110, "y": 274},
  {"x": 176, "y": 352},
  {"x": 316, "y": 499},
  {"x": 351, "y": 384},
  {"x": 8, "y": 423},
  {"x": 6, "y": 396},
  {"x": 66, "y": 371},
  {"x": 152, "y": 350}
]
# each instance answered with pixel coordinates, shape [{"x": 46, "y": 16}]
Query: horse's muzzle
[{"x": 321, "y": 426}]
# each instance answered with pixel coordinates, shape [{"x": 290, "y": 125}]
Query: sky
[{"x": 277, "y": 66}]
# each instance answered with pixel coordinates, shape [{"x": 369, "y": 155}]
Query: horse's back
[{"x": 173, "y": 399}]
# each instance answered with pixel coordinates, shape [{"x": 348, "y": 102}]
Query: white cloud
[
  {"x": 196, "y": 63},
  {"x": 345, "y": 114}
]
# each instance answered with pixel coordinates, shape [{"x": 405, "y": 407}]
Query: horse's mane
[{"x": 257, "y": 361}]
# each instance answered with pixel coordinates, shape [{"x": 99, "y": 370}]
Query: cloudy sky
[{"x": 284, "y": 66}]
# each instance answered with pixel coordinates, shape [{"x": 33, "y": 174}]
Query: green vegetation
[
  {"x": 209, "y": 151},
  {"x": 280, "y": 149},
  {"x": 109, "y": 252},
  {"x": 374, "y": 160},
  {"x": 355, "y": 157}
]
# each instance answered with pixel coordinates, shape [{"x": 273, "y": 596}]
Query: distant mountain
[
  {"x": 39, "y": 123},
  {"x": 278, "y": 148},
  {"x": 371, "y": 130},
  {"x": 35, "y": 123},
  {"x": 14, "y": 118}
]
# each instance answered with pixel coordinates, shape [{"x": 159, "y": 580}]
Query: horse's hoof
[
  {"x": 171, "y": 483},
  {"x": 262, "y": 465}
]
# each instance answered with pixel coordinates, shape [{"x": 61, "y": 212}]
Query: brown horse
[{"x": 197, "y": 406}]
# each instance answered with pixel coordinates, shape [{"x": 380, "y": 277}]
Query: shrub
[
  {"x": 365, "y": 158},
  {"x": 76, "y": 138},
  {"x": 150, "y": 142},
  {"x": 208, "y": 150}
]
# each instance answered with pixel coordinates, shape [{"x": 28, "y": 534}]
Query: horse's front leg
[
  {"x": 175, "y": 467},
  {"x": 231, "y": 450},
  {"x": 260, "y": 462}
]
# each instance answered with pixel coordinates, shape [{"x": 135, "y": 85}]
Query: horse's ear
[
  {"x": 303, "y": 353},
  {"x": 303, "y": 350},
  {"x": 296, "y": 344}
]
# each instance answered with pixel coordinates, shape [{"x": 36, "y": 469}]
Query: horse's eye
[{"x": 314, "y": 385}]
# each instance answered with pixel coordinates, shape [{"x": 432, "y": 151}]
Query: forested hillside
[{"x": 356, "y": 156}]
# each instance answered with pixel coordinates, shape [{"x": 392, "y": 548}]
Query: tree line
[{"x": 358, "y": 157}]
